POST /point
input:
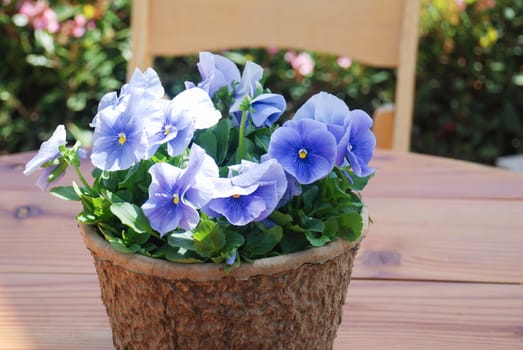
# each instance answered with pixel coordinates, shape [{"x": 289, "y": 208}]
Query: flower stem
[
  {"x": 82, "y": 179},
  {"x": 241, "y": 138}
]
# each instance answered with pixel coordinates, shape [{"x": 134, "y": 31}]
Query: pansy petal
[
  {"x": 267, "y": 109},
  {"x": 198, "y": 107},
  {"x": 48, "y": 150},
  {"x": 323, "y": 107}
]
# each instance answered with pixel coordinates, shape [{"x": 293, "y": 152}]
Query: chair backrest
[{"x": 381, "y": 33}]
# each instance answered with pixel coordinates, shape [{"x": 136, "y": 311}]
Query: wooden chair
[{"x": 381, "y": 33}]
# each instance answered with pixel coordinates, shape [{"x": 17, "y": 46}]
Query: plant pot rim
[{"x": 101, "y": 249}]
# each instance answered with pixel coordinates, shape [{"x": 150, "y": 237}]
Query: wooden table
[{"x": 441, "y": 268}]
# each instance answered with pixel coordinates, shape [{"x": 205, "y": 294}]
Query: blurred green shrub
[
  {"x": 57, "y": 60},
  {"x": 469, "y": 94},
  {"x": 469, "y": 88},
  {"x": 469, "y": 97}
]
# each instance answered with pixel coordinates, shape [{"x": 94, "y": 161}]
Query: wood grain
[
  {"x": 65, "y": 312},
  {"x": 404, "y": 175},
  {"x": 438, "y": 239},
  {"x": 439, "y": 227}
]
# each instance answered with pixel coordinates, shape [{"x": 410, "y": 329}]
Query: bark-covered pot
[{"x": 287, "y": 302}]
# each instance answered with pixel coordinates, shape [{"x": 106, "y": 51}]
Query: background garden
[{"x": 57, "y": 58}]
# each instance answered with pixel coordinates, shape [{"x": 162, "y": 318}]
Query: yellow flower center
[
  {"x": 235, "y": 196},
  {"x": 121, "y": 138},
  {"x": 167, "y": 131},
  {"x": 302, "y": 153},
  {"x": 176, "y": 199}
]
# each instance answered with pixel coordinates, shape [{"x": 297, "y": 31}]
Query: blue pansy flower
[
  {"x": 305, "y": 149},
  {"x": 49, "y": 151},
  {"x": 190, "y": 110},
  {"x": 216, "y": 72},
  {"x": 265, "y": 110},
  {"x": 358, "y": 143},
  {"x": 146, "y": 84},
  {"x": 352, "y": 130},
  {"x": 251, "y": 195},
  {"x": 328, "y": 109},
  {"x": 175, "y": 194},
  {"x": 249, "y": 82},
  {"x": 119, "y": 139}
]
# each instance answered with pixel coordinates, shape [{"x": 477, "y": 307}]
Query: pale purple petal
[
  {"x": 323, "y": 107},
  {"x": 196, "y": 105},
  {"x": 48, "y": 150},
  {"x": 216, "y": 72},
  {"x": 267, "y": 109}
]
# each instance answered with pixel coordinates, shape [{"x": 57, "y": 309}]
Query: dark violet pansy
[
  {"x": 305, "y": 149},
  {"x": 175, "y": 194},
  {"x": 251, "y": 195}
]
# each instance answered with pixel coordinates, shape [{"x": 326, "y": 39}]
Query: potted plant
[{"x": 211, "y": 223}]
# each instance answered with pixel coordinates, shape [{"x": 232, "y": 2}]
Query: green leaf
[
  {"x": 181, "y": 240},
  {"x": 263, "y": 240},
  {"x": 133, "y": 237},
  {"x": 350, "y": 226},
  {"x": 233, "y": 241},
  {"x": 222, "y": 131},
  {"x": 119, "y": 246},
  {"x": 310, "y": 196},
  {"x": 292, "y": 242},
  {"x": 211, "y": 244},
  {"x": 87, "y": 218},
  {"x": 131, "y": 215},
  {"x": 280, "y": 219},
  {"x": 331, "y": 227},
  {"x": 209, "y": 143},
  {"x": 65, "y": 192},
  {"x": 359, "y": 183},
  {"x": 100, "y": 206},
  {"x": 313, "y": 224},
  {"x": 317, "y": 239},
  {"x": 174, "y": 255},
  {"x": 57, "y": 172}
]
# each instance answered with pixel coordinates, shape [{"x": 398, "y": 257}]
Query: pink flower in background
[
  {"x": 272, "y": 50},
  {"x": 344, "y": 62},
  {"x": 483, "y": 5},
  {"x": 40, "y": 15},
  {"x": 78, "y": 26},
  {"x": 301, "y": 63},
  {"x": 461, "y": 5}
]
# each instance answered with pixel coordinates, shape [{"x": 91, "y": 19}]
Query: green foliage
[
  {"x": 469, "y": 87},
  {"x": 56, "y": 78},
  {"x": 469, "y": 97}
]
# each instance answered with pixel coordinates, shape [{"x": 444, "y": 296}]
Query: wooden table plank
[
  {"x": 425, "y": 315},
  {"x": 413, "y": 238},
  {"x": 448, "y": 240},
  {"x": 65, "y": 312},
  {"x": 398, "y": 175},
  {"x": 416, "y": 175}
]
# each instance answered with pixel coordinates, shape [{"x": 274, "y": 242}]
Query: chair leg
[{"x": 384, "y": 126}]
